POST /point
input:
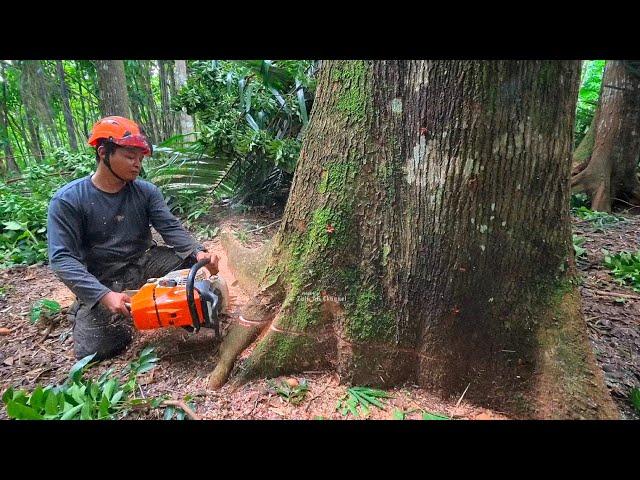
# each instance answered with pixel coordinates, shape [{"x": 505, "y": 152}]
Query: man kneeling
[{"x": 100, "y": 241}]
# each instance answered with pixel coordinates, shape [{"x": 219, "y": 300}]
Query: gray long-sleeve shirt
[{"x": 89, "y": 229}]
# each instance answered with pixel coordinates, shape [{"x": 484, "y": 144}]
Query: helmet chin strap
[{"x": 107, "y": 162}]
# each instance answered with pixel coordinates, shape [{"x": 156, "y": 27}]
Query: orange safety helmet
[{"x": 121, "y": 131}]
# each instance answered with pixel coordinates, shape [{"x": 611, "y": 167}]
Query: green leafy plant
[
  {"x": 601, "y": 220},
  {"x": 24, "y": 201},
  {"x": 357, "y": 401},
  {"x": 251, "y": 115},
  {"x": 44, "y": 310},
  {"x": 242, "y": 236},
  {"x": 206, "y": 232},
  {"x": 579, "y": 200},
  {"x": 625, "y": 267},
  {"x": 398, "y": 414},
  {"x": 635, "y": 398},
  {"x": 577, "y": 246},
  {"x": 82, "y": 398},
  {"x": 434, "y": 416},
  {"x": 293, "y": 394}
]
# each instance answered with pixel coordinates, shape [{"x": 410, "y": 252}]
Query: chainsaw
[{"x": 182, "y": 298}]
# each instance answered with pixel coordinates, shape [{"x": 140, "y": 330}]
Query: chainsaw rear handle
[{"x": 189, "y": 287}]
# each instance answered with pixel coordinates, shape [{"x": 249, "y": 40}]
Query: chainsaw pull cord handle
[{"x": 189, "y": 287}]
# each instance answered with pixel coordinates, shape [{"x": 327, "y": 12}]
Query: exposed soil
[{"x": 33, "y": 354}]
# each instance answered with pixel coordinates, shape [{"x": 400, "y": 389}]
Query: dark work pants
[{"x": 96, "y": 330}]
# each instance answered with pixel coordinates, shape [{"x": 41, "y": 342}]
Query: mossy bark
[
  {"x": 426, "y": 228},
  {"x": 611, "y": 172},
  {"x": 583, "y": 151}
]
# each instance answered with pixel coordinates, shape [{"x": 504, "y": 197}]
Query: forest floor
[
  {"x": 611, "y": 310},
  {"x": 32, "y": 355}
]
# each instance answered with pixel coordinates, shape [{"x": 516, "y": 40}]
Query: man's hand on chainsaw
[
  {"x": 115, "y": 303},
  {"x": 213, "y": 265}
]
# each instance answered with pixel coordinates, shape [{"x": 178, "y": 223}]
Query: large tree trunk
[
  {"x": 611, "y": 172},
  {"x": 410, "y": 249},
  {"x": 112, "y": 84},
  {"x": 186, "y": 122},
  {"x": 66, "y": 107}
]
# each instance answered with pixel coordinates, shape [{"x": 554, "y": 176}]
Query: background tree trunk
[
  {"x": 582, "y": 153},
  {"x": 66, "y": 107},
  {"x": 165, "y": 68},
  {"x": 611, "y": 172},
  {"x": 112, "y": 84},
  {"x": 152, "y": 109},
  {"x": 29, "y": 96},
  {"x": 85, "y": 126},
  {"x": 44, "y": 85},
  {"x": 409, "y": 236},
  {"x": 186, "y": 121},
  {"x": 9, "y": 160},
  {"x": 35, "y": 87}
]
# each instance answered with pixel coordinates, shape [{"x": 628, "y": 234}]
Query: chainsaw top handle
[{"x": 189, "y": 287}]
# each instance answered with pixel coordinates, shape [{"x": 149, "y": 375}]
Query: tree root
[
  {"x": 569, "y": 384},
  {"x": 617, "y": 295},
  {"x": 238, "y": 338},
  {"x": 185, "y": 408},
  {"x": 595, "y": 187},
  {"x": 247, "y": 266},
  {"x": 255, "y": 317}
]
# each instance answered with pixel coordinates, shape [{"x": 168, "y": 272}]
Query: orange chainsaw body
[{"x": 156, "y": 306}]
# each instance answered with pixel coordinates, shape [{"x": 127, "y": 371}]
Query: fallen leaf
[
  {"x": 292, "y": 382},
  {"x": 457, "y": 412},
  {"x": 483, "y": 416},
  {"x": 8, "y": 361},
  {"x": 146, "y": 379},
  {"x": 5, "y": 331}
]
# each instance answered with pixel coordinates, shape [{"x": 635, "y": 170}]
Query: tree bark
[
  {"x": 409, "y": 249},
  {"x": 112, "y": 84},
  {"x": 610, "y": 173},
  {"x": 186, "y": 121},
  {"x": 582, "y": 153},
  {"x": 66, "y": 107}
]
